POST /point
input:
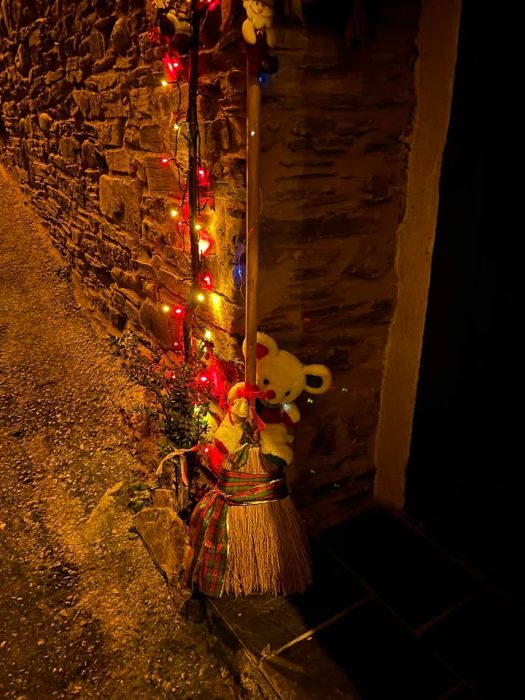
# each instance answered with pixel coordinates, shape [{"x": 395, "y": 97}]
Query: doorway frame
[{"x": 434, "y": 81}]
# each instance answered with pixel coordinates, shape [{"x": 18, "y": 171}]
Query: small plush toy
[
  {"x": 281, "y": 378},
  {"x": 259, "y": 36},
  {"x": 173, "y": 18}
]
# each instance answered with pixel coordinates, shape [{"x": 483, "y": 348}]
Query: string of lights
[{"x": 192, "y": 212}]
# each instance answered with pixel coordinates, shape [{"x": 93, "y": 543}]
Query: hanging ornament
[
  {"x": 259, "y": 36},
  {"x": 173, "y": 21}
]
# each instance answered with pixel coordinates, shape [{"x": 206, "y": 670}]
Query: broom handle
[{"x": 252, "y": 222}]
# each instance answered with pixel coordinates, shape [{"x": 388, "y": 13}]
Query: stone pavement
[
  {"x": 390, "y": 615},
  {"x": 83, "y": 611}
]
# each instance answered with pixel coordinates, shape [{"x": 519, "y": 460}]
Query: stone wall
[{"x": 85, "y": 122}]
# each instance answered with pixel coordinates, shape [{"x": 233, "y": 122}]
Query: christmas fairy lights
[{"x": 177, "y": 25}]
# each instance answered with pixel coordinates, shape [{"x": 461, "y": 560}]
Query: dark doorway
[{"x": 464, "y": 463}]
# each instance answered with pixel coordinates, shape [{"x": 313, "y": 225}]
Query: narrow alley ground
[{"x": 83, "y": 611}]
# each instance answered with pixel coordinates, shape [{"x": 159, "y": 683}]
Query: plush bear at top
[
  {"x": 259, "y": 36},
  {"x": 281, "y": 378}
]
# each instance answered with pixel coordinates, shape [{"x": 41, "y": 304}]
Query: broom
[{"x": 246, "y": 536}]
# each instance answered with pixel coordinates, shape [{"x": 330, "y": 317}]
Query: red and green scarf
[{"x": 207, "y": 529}]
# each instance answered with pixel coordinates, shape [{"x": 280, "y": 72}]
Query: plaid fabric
[{"x": 207, "y": 529}]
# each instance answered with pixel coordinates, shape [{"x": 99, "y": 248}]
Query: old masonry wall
[{"x": 85, "y": 123}]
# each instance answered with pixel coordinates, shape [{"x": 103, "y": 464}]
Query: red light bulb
[
  {"x": 173, "y": 67},
  {"x": 210, "y": 4},
  {"x": 206, "y": 281},
  {"x": 203, "y": 176},
  {"x": 164, "y": 161}
]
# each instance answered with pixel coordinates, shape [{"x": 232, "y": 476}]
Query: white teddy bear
[
  {"x": 259, "y": 36},
  {"x": 281, "y": 378}
]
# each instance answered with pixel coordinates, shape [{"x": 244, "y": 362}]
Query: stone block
[
  {"x": 161, "y": 177},
  {"x": 103, "y": 517},
  {"x": 140, "y": 102},
  {"x": 140, "y": 77},
  {"x": 163, "y": 498},
  {"x": 114, "y": 103},
  {"x": 119, "y": 39},
  {"x": 69, "y": 148},
  {"x": 88, "y": 103},
  {"x": 125, "y": 63},
  {"x": 165, "y": 537},
  {"x": 119, "y": 161},
  {"x": 104, "y": 63},
  {"x": 97, "y": 44},
  {"x": 150, "y": 138},
  {"x": 153, "y": 234},
  {"x": 103, "y": 81},
  {"x": 173, "y": 283},
  {"x": 131, "y": 137},
  {"x": 119, "y": 200},
  {"x": 92, "y": 156},
  {"x": 128, "y": 280},
  {"x": 54, "y": 76},
  {"x": 75, "y": 70},
  {"x": 110, "y": 132}
]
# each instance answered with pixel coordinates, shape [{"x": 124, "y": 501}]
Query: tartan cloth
[{"x": 207, "y": 528}]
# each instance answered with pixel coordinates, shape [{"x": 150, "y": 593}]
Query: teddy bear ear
[
  {"x": 265, "y": 346},
  {"x": 261, "y": 351},
  {"x": 318, "y": 378}
]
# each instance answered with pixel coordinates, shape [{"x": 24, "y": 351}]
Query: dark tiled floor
[
  {"x": 406, "y": 571},
  {"x": 334, "y": 589},
  {"x": 382, "y": 659},
  {"x": 389, "y": 616},
  {"x": 483, "y": 642}
]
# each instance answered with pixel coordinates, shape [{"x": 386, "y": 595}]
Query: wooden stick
[{"x": 252, "y": 222}]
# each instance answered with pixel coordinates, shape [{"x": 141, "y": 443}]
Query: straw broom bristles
[{"x": 267, "y": 544}]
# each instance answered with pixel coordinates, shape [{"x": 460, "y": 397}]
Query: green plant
[{"x": 180, "y": 393}]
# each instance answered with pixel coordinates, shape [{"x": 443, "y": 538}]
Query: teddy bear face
[
  {"x": 283, "y": 376},
  {"x": 280, "y": 374}
]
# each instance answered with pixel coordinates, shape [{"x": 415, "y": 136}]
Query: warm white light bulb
[
  {"x": 200, "y": 297},
  {"x": 164, "y": 83},
  {"x": 208, "y": 335},
  {"x": 174, "y": 213},
  {"x": 166, "y": 308}
]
